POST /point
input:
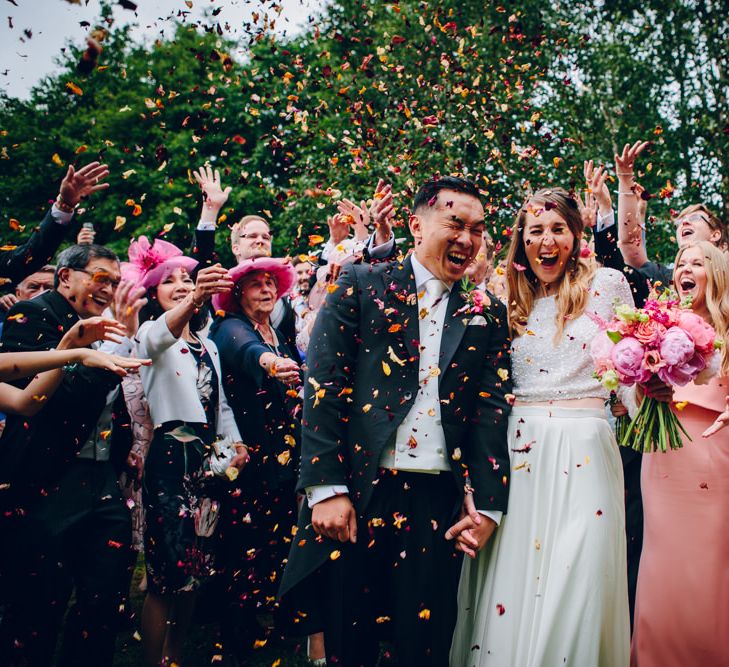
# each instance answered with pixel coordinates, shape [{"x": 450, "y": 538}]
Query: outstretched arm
[
  {"x": 214, "y": 197},
  {"x": 17, "y": 263},
  {"x": 14, "y": 365},
  {"x": 630, "y": 211}
]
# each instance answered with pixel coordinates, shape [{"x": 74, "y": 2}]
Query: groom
[{"x": 404, "y": 426}]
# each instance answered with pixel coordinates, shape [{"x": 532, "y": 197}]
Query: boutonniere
[{"x": 477, "y": 301}]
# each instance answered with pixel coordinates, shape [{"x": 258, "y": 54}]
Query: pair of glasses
[
  {"x": 263, "y": 237},
  {"x": 100, "y": 278},
  {"x": 695, "y": 217}
]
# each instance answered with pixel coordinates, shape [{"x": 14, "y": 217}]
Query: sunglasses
[{"x": 100, "y": 278}]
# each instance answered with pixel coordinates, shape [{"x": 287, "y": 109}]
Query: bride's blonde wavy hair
[
  {"x": 716, "y": 265},
  {"x": 573, "y": 291}
]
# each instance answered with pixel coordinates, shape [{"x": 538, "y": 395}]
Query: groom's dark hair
[{"x": 428, "y": 193}]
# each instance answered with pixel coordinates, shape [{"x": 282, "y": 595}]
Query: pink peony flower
[
  {"x": 649, "y": 333},
  {"x": 677, "y": 347},
  {"x": 701, "y": 332},
  {"x": 627, "y": 356},
  {"x": 683, "y": 373},
  {"x": 601, "y": 349}
]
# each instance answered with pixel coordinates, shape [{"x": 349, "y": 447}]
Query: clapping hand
[
  {"x": 357, "y": 216},
  {"x": 79, "y": 184},
  {"x": 338, "y": 229},
  {"x": 128, "y": 301},
  {"x": 382, "y": 210},
  {"x": 596, "y": 180},
  {"x": 587, "y": 208}
]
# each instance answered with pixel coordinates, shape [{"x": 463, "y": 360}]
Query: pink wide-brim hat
[
  {"x": 280, "y": 269},
  {"x": 150, "y": 263}
]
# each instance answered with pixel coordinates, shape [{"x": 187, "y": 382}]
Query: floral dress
[{"x": 179, "y": 501}]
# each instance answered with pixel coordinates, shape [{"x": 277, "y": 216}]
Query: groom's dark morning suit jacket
[{"x": 362, "y": 380}]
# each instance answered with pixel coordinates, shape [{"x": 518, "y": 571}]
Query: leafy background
[{"x": 513, "y": 95}]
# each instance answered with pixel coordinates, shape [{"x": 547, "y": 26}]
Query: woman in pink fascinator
[{"x": 194, "y": 437}]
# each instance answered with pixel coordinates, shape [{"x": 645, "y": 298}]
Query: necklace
[{"x": 195, "y": 345}]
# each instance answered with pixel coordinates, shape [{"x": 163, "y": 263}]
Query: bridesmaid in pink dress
[{"x": 682, "y": 604}]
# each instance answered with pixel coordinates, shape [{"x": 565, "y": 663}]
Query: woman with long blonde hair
[
  {"x": 551, "y": 589},
  {"x": 682, "y": 605}
]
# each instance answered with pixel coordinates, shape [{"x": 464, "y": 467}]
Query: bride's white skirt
[{"x": 551, "y": 587}]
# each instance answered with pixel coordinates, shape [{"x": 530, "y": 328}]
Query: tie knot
[{"x": 435, "y": 288}]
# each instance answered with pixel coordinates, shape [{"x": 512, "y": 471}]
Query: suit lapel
[
  {"x": 400, "y": 295},
  {"x": 454, "y": 327}
]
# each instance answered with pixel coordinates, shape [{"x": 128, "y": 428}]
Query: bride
[{"x": 551, "y": 587}]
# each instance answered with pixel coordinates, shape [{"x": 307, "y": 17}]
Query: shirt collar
[{"x": 423, "y": 275}]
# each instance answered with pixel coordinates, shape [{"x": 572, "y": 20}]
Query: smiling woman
[{"x": 544, "y": 259}]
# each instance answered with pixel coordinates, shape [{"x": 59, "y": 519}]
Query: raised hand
[
  {"x": 338, "y": 229},
  {"x": 211, "y": 280},
  {"x": 214, "y": 195},
  {"x": 356, "y": 216},
  {"x": 625, "y": 162},
  {"x": 86, "y": 236},
  {"x": 92, "y": 329},
  {"x": 596, "y": 180},
  {"x": 128, "y": 301},
  {"x": 587, "y": 208},
  {"x": 111, "y": 362},
  {"x": 79, "y": 184},
  {"x": 382, "y": 210}
]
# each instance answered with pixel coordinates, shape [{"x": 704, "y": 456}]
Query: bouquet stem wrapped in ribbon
[{"x": 663, "y": 339}]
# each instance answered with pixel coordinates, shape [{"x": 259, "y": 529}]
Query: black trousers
[
  {"x": 633, "y": 519},
  {"x": 398, "y": 583},
  {"x": 76, "y": 538},
  {"x": 255, "y": 530}
]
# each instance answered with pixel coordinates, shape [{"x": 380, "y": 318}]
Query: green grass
[{"x": 200, "y": 648}]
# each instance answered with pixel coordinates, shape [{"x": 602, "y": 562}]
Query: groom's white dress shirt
[{"x": 419, "y": 444}]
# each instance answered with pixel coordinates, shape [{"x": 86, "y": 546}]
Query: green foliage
[{"x": 513, "y": 98}]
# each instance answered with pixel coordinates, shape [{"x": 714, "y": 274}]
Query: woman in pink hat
[
  {"x": 261, "y": 381},
  {"x": 188, "y": 408}
]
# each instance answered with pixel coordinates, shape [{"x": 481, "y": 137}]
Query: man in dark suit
[
  {"x": 64, "y": 522},
  {"x": 404, "y": 426}
]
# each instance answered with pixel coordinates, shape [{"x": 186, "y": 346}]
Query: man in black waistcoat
[{"x": 65, "y": 525}]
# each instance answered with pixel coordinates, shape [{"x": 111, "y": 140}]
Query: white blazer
[{"x": 170, "y": 383}]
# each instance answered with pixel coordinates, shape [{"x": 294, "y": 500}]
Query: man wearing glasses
[{"x": 64, "y": 520}]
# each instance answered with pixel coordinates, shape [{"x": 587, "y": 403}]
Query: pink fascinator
[{"x": 150, "y": 263}]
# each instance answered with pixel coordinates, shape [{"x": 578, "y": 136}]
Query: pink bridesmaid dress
[{"x": 682, "y": 604}]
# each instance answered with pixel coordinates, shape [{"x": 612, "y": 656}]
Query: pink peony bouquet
[{"x": 663, "y": 339}]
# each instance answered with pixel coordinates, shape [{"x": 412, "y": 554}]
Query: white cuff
[
  {"x": 382, "y": 250},
  {"x": 206, "y": 226},
  {"x": 59, "y": 216},
  {"x": 124, "y": 348},
  {"x": 494, "y": 515},
  {"x": 603, "y": 222},
  {"x": 328, "y": 247},
  {"x": 316, "y": 494}
]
